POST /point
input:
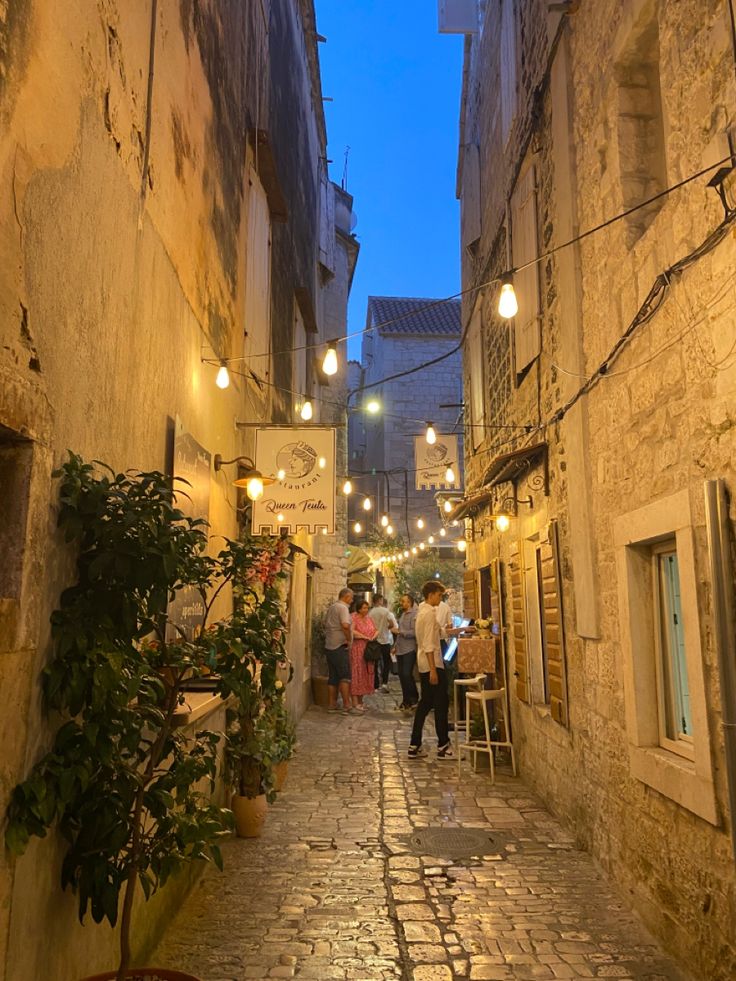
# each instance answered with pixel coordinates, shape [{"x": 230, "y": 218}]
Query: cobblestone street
[{"x": 336, "y": 888}]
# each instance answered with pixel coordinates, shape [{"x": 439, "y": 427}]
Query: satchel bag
[{"x": 372, "y": 652}]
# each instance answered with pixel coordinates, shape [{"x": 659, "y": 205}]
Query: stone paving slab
[{"x": 334, "y": 890}]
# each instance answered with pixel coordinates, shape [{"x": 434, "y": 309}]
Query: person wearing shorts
[{"x": 338, "y": 637}]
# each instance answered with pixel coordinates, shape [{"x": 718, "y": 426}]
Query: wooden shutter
[
  {"x": 469, "y": 598},
  {"x": 327, "y": 225},
  {"x": 526, "y": 281},
  {"x": 518, "y": 621},
  {"x": 552, "y": 624},
  {"x": 508, "y": 67},
  {"x": 258, "y": 277},
  {"x": 475, "y": 353},
  {"x": 471, "y": 217}
]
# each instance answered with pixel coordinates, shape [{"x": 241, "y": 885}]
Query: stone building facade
[
  {"x": 164, "y": 204},
  {"x": 606, "y": 407},
  {"x": 415, "y": 331}
]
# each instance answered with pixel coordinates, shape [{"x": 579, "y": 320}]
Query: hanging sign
[
  {"x": 305, "y": 497},
  {"x": 432, "y": 461}
]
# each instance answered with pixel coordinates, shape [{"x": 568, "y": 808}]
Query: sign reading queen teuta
[
  {"x": 304, "y": 498},
  {"x": 432, "y": 460}
]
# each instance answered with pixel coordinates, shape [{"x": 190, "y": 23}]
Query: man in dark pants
[
  {"x": 431, "y": 674},
  {"x": 385, "y": 622},
  {"x": 406, "y": 652},
  {"x": 338, "y": 637}
]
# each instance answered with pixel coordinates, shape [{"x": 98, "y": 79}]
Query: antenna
[{"x": 344, "y": 182}]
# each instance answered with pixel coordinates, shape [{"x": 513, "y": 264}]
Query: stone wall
[{"x": 657, "y": 422}]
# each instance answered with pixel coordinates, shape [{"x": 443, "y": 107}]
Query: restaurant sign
[
  {"x": 432, "y": 461},
  {"x": 303, "y": 496}
]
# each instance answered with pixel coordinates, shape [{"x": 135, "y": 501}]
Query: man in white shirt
[
  {"x": 432, "y": 675},
  {"x": 385, "y": 623},
  {"x": 338, "y": 637}
]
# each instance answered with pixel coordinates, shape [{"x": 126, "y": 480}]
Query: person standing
[
  {"x": 432, "y": 675},
  {"x": 444, "y": 619},
  {"x": 384, "y": 622},
  {"x": 360, "y": 670},
  {"x": 406, "y": 652},
  {"x": 338, "y": 637}
]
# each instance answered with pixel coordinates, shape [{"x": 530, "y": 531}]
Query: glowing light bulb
[
  {"x": 367, "y": 504},
  {"x": 389, "y": 529},
  {"x": 279, "y": 518},
  {"x": 384, "y": 521},
  {"x": 357, "y": 527},
  {"x": 223, "y": 376},
  {"x": 420, "y": 523},
  {"x": 329, "y": 363},
  {"x": 431, "y": 436},
  {"x": 281, "y": 474},
  {"x": 254, "y": 488},
  {"x": 373, "y": 406},
  {"x": 431, "y": 539},
  {"x": 443, "y": 532},
  {"x": 507, "y": 304},
  {"x": 306, "y": 411},
  {"x": 502, "y": 522},
  {"x": 324, "y": 531},
  {"x": 447, "y": 507},
  {"x": 449, "y": 476},
  {"x": 406, "y": 554},
  {"x": 462, "y": 545},
  {"x": 322, "y": 463},
  {"x": 455, "y": 523},
  {"x": 414, "y": 550},
  {"x": 347, "y": 488},
  {"x": 422, "y": 546}
]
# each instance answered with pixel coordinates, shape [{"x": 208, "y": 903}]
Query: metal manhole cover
[{"x": 455, "y": 842}]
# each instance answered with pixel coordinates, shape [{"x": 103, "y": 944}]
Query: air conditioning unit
[{"x": 457, "y": 16}]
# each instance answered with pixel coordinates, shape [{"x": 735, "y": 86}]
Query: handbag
[{"x": 372, "y": 652}]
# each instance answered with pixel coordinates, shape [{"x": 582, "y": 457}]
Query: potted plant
[
  {"x": 320, "y": 695},
  {"x": 284, "y": 740},
  {"x": 122, "y": 781}
]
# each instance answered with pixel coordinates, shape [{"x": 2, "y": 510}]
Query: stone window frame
[{"x": 687, "y": 782}]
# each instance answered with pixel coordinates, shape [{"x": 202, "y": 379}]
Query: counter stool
[
  {"x": 483, "y": 697},
  {"x": 476, "y": 683}
]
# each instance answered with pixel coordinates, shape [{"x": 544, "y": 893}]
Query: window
[
  {"x": 471, "y": 197},
  {"x": 327, "y": 225},
  {"x": 508, "y": 67},
  {"x": 524, "y": 243},
  {"x": 641, "y": 142},
  {"x": 258, "y": 280},
  {"x": 302, "y": 384},
  {"x": 673, "y": 693},
  {"x": 666, "y": 714},
  {"x": 475, "y": 356}
]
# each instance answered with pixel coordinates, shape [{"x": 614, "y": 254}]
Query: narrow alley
[{"x": 341, "y": 887}]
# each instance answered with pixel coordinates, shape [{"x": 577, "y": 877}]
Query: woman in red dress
[{"x": 362, "y": 673}]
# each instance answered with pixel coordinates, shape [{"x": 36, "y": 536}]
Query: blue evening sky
[{"x": 396, "y": 88}]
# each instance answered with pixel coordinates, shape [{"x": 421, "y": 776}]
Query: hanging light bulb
[
  {"x": 254, "y": 487},
  {"x": 367, "y": 504},
  {"x": 420, "y": 523},
  {"x": 455, "y": 523},
  {"x": 431, "y": 435},
  {"x": 357, "y": 527},
  {"x": 347, "y": 488},
  {"x": 449, "y": 476},
  {"x": 406, "y": 554},
  {"x": 389, "y": 529},
  {"x": 507, "y": 304},
  {"x": 414, "y": 550},
  {"x": 422, "y": 546},
  {"x": 373, "y": 406},
  {"x": 447, "y": 507},
  {"x": 322, "y": 463},
  {"x": 384, "y": 521},
  {"x": 462, "y": 545},
  {"x": 329, "y": 363},
  {"x": 306, "y": 410},
  {"x": 281, "y": 474},
  {"x": 443, "y": 532},
  {"x": 431, "y": 539},
  {"x": 279, "y": 518},
  {"x": 223, "y": 376},
  {"x": 503, "y": 523}
]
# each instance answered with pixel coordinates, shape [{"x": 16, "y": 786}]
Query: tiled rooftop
[{"x": 414, "y": 315}]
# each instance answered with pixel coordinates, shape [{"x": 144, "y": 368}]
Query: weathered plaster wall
[{"x": 660, "y": 421}]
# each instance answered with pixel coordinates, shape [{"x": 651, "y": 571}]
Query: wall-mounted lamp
[{"x": 252, "y": 480}]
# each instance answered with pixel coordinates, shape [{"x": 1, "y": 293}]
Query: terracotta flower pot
[
  {"x": 279, "y": 774},
  {"x": 145, "y": 974},
  {"x": 250, "y": 814}
]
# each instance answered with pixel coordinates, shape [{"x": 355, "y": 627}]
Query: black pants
[
  {"x": 433, "y": 697},
  {"x": 406, "y": 662},
  {"x": 383, "y": 667}
]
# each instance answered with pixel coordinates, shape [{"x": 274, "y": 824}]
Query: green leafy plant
[
  {"x": 122, "y": 781},
  {"x": 318, "y": 656},
  {"x": 411, "y": 575},
  {"x": 284, "y": 731}
]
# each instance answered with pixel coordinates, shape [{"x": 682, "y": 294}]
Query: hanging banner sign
[
  {"x": 432, "y": 460},
  {"x": 305, "y": 497}
]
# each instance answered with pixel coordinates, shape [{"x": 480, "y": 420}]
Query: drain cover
[{"x": 455, "y": 842}]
